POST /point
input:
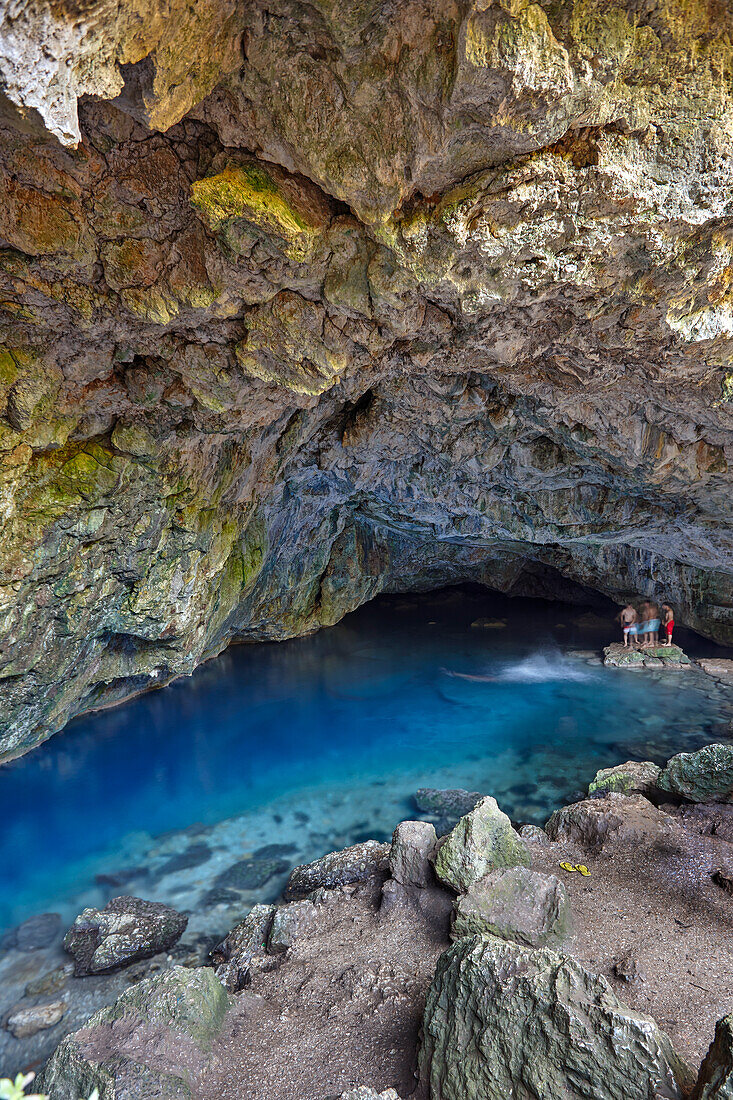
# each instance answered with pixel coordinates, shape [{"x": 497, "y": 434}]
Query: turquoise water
[{"x": 402, "y": 693}]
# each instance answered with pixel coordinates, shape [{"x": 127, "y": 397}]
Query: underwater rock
[
  {"x": 702, "y": 776},
  {"x": 27, "y": 1020},
  {"x": 482, "y": 841},
  {"x": 35, "y": 933},
  {"x": 413, "y": 846},
  {"x": 504, "y": 1020},
  {"x": 50, "y": 982},
  {"x": 355, "y": 864},
  {"x": 232, "y": 958},
  {"x": 125, "y": 930},
  {"x": 183, "y": 1009},
  {"x": 193, "y": 856},
  {"x": 715, "y": 1080},
  {"x": 633, "y": 777},
  {"x": 249, "y": 874},
  {"x": 515, "y": 904},
  {"x": 449, "y": 806}
]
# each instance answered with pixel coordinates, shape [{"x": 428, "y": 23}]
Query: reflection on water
[{"x": 403, "y": 693}]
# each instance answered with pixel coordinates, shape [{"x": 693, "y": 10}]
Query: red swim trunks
[{"x": 670, "y": 627}]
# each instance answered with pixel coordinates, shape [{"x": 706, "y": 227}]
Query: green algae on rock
[
  {"x": 515, "y": 904},
  {"x": 633, "y": 777},
  {"x": 482, "y": 841},
  {"x": 702, "y": 776},
  {"x": 503, "y": 1020}
]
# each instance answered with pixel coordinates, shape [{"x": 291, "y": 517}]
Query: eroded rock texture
[{"x": 307, "y": 302}]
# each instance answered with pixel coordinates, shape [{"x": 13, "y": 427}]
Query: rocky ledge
[
  {"x": 572, "y": 961},
  {"x": 300, "y": 303}
]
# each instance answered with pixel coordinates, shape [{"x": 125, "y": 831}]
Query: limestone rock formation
[
  {"x": 633, "y": 777},
  {"x": 153, "y": 1041},
  {"x": 413, "y": 847},
  {"x": 304, "y": 303},
  {"x": 233, "y": 956},
  {"x": 503, "y": 1020},
  {"x": 515, "y": 904},
  {"x": 482, "y": 841},
  {"x": 702, "y": 776},
  {"x": 126, "y": 929},
  {"x": 355, "y": 864}
]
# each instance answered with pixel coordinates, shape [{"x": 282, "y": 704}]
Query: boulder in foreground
[
  {"x": 507, "y": 1021},
  {"x": 702, "y": 776},
  {"x": 126, "y": 929},
  {"x": 149, "y": 1045},
  {"x": 482, "y": 841}
]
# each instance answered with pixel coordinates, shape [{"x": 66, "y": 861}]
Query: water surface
[{"x": 341, "y": 728}]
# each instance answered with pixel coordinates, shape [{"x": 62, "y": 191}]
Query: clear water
[{"x": 403, "y": 693}]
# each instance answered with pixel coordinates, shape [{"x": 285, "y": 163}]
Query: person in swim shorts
[
  {"x": 667, "y": 622},
  {"x": 627, "y": 617}
]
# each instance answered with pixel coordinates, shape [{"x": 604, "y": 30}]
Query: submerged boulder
[
  {"x": 126, "y": 929},
  {"x": 715, "y": 1080},
  {"x": 481, "y": 841},
  {"x": 446, "y": 806},
  {"x": 507, "y": 1021},
  {"x": 27, "y": 1020},
  {"x": 633, "y": 777},
  {"x": 515, "y": 904},
  {"x": 152, "y": 1043},
  {"x": 702, "y": 776},
  {"x": 355, "y": 864}
]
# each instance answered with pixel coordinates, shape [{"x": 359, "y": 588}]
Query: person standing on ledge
[
  {"x": 667, "y": 622},
  {"x": 627, "y": 617}
]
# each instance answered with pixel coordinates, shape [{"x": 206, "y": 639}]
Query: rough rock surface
[
  {"x": 702, "y": 776},
  {"x": 715, "y": 1080},
  {"x": 516, "y": 904},
  {"x": 503, "y": 1020},
  {"x": 289, "y": 922},
  {"x": 482, "y": 841},
  {"x": 27, "y": 1020},
  {"x": 303, "y": 303},
  {"x": 168, "y": 1021},
  {"x": 633, "y": 777},
  {"x": 594, "y": 822},
  {"x": 233, "y": 956},
  {"x": 660, "y": 656},
  {"x": 355, "y": 864},
  {"x": 126, "y": 929},
  {"x": 413, "y": 847}
]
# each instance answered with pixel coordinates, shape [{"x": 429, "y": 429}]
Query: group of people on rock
[{"x": 641, "y": 622}]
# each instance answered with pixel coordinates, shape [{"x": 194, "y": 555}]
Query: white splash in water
[{"x": 538, "y": 668}]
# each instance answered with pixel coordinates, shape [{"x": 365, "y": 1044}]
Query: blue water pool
[{"x": 347, "y": 723}]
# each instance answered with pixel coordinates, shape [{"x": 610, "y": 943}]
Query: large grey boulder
[
  {"x": 715, "y": 1080},
  {"x": 413, "y": 846},
  {"x": 126, "y": 929},
  {"x": 482, "y": 841},
  {"x": 515, "y": 904},
  {"x": 702, "y": 776},
  {"x": 233, "y": 957},
  {"x": 504, "y": 1021},
  {"x": 633, "y": 777},
  {"x": 617, "y": 818},
  {"x": 355, "y": 864},
  {"x": 151, "y": 1044}
]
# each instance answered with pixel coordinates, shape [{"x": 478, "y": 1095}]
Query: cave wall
[{"x": 305, "y": 302}]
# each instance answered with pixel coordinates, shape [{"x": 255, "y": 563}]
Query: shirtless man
[
  {"x": 655, "y": 621},
  {"x": 667, "y": 622},
  {"x": 627, "y": 617}
]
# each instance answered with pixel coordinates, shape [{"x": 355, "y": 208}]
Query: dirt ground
[{"x": 343, "y": 1006}]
